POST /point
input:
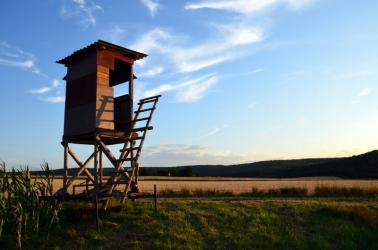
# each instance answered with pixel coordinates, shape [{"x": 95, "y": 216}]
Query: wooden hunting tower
[
  {"x": 94, "y": 116},
  {"x": 92, "y": 72}
]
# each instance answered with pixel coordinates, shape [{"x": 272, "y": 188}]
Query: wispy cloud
[
  {"x": 42, "y": 91},
  {"x": 185, "y": 58},
  {"x": 178, "y": 54},
  {"x": 215, "y": 130},
  {"x": 364, "y": 92},
  {"x": 247, "y": 6},
  {"x": 53, "y": 99},
  {"x": 186, "y": 91},
  {"x": 151, "y": 5},
  {"x": 361, "y": 94},
  {"x": 256, "y": 71},
  {"x": 114, "y": 33},
  {"x": 184, "y": 154},
  {"x": 152, "y": 71},
  {"x": 14, "y": 57},
  {"x": 55, "y": 83},
  {"x": 85, "y": 10}
]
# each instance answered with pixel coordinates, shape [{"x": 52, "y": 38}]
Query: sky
[{"x": 242, "y": 80}]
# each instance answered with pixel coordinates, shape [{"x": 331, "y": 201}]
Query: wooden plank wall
[
  {"x": 90, "y": 96},
  {"x": 80, "y": 97}
]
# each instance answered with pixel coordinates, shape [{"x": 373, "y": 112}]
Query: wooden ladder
[{"x": 132, "y": 147}]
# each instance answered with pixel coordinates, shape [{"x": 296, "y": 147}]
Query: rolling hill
[{"x": 354, "y": 167}]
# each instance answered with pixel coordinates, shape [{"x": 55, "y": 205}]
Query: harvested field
[{"x": 240, "y": 185}]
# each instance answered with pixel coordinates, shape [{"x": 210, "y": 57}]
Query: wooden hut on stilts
[{"x": 94, "y": 116}]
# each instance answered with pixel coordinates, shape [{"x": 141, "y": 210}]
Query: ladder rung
[
  {"x": 149, "y": 98},
  {"x": 144, "y": 110},
  {"x": 142, "y": 129},
  {"x": 141, "y": 119},
  {"x": 148, "y": 101},
  {"x": 136, "y": 138},
  {"x": 128, "y": 149}
]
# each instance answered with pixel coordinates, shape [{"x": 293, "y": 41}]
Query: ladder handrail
[{"x": 129, "y": 148}]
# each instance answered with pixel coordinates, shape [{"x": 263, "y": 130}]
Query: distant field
[{"x": 241, "y": 185}]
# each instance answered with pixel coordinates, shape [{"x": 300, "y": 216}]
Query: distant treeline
[{"x": 360, "y": 166}]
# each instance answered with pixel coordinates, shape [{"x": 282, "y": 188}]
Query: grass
[
  {"x": 320, "y": 191},
  {"x": 218, "y": 224},
  {"x": 22, "y": 210}
]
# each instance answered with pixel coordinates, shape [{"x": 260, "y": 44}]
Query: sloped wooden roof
[{"x": 100, "y": 44}]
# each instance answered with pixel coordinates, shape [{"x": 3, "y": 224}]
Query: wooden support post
[
  {"x": 155, "y": 198},
  {"x": 136, "y": 173},
  {"x": 96, "y": 183},
  {"x": 131, "y": 90},
  {"x": 86, "y": 187},
  {"x": 65, "y": 165},
  {"x": 100, "y": 165}
]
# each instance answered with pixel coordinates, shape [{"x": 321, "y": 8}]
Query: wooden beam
[
  {"x": 65, "y": 165},
  {"x": 78, "y": 162},
  {"x": 107, "y": 152},
  {"x": 131, "y": 90},
  {"x": 95, "y": 167},
  {"x": 83, "y": 167},
  {"x": 100, "y": 166}
]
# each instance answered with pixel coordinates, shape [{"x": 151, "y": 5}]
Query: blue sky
[{"x": 242, "y": 80}]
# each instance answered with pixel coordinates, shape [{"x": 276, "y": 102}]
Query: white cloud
[
  {"x": 361, "y": 94},
  {"x": 41, "y": 90},
  {"x": 55, "y": 83},
  {"x": 183, "y": 154},
  {"x": 53, "y": 99},
  {"x": 152, "y": 72},
  {"x": 187, "y": 91},
  {"x": 247, "y": 7},
  {"x": 14, "y": 57},
  {"x": 300, "y": 4},
  {"x": 27, "y": 64},
  {"x": 364, "y": 92},
  {"x": 115, "y": 33},
  {"x": 151, "y": 5},
  {"x": 153, "y": 40},
  {"x": 215, "y": 130},
  {"x": 185, "y": 58},
  {"x": 256, "y": 71},
  {"x": 196, "y": 90},
  {"x": 85, "y": 10}
]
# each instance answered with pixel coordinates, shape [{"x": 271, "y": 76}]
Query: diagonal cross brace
[
  {"x": 83, "y": 167},
  {"x": 116, "y": 163}
]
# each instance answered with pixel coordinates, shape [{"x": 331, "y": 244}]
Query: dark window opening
[{"x": 120, "y": 73}]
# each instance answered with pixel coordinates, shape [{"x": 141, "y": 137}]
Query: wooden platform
[{"x": 108, "y": 136}]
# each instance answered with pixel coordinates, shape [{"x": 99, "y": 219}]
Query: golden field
[{"x": 239, "y": 185}]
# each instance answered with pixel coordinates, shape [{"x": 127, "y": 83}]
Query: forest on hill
[{"x": 354, "y": 167}]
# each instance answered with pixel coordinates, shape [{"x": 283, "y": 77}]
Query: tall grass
[
  {"x": 329, "y": 191},
  {"x": 23, "y": 204},
  {"x": 320, "y": 191}
]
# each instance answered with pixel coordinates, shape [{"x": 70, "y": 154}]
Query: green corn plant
[
  {"x": 24, "y": 208},
  {"x": 3, "y": 188}
]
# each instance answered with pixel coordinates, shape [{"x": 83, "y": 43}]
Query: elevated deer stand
[{"x": 93, "y": 116}]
